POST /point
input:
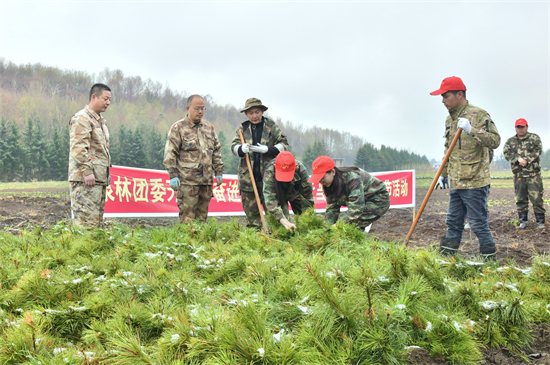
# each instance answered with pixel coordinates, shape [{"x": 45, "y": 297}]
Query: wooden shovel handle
[
  {"x": 258, "y": 201},
  {"x": 431, "y": 189}
]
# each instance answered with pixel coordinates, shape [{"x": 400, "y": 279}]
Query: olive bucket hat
[{"x": 253, "y": 102}]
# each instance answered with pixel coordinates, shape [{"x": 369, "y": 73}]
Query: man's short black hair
[
  {"x": 454, "y": 92},
  {"x": 192, "y": 97},
  {"x": 97, "y": 90}
]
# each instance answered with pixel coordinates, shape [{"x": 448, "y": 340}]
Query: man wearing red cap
[
  {"x": 467, "y": 168},
  {"x": 523, "y": 151},
  {"x": 285, "y": 181}
]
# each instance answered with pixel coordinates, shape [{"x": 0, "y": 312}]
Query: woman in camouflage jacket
[{"x": 365, "y": 196}]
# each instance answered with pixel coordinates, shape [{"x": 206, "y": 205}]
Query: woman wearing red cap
[
  {"x": 365, "y": 196},
  {"x": 285, "y": 181}
]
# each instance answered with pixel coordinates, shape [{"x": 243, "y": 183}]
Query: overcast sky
[{"x": 365, "y": 67}]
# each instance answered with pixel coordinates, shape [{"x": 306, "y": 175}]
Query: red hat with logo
[
  {"x": 521, "y": 121},
  {"x": 285, "y": 164},
  {"x": 319, "y": 167},
  {"x": 450, "y": 84}
]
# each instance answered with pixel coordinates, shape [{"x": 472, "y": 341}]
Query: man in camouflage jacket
[
  {"x": 192, "y": 156},
  {"x": 523, "y": 151},
  {"x": 468, "y": 167},
  {"x": 263, "y": 142},
  {"x": 298, "y": 191},
  {"x": 89, "y": 158}
]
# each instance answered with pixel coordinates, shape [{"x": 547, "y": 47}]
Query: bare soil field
[{"x": 28, "y": 208}]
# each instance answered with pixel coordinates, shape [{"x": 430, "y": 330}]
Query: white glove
[
  {"x": 464, "y": 124},
  {"x": 259, "y": 148},
  {"x": 440, "y": 182},
  {"x": 245, "y": 148}
]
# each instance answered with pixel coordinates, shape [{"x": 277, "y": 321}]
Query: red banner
[{"x": 146, "y": 193}]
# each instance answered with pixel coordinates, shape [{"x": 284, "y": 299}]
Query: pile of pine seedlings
[{"x": 217, "y": 293}]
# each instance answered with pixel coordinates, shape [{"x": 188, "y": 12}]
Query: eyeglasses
[
  {"x": 520, "y": 126},
  {"x": 198, "y": 108},
  {"x": 323, "y": 178}
]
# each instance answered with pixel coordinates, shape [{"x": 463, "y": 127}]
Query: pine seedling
[
  {"x": 426, "y": 264},
  {"x": 410, "y": 293},
  {"x": 448, "y": 338},
  {"x": 278, "y": 231},
  {"x": 383, "y": 342},
  {"x": 23, "y": 341},
  {"x": 464, "y": 269},
  {"x": 541, "y": 270},
  {"x": 465, "y": 296},
  {"x": 399, "y": 261},
  {"x": 128, "y": 348}
]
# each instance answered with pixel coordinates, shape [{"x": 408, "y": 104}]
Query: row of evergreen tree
[{"x": 32, "y": 155}]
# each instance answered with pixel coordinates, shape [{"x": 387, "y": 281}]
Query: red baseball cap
[
  {"x": 450, "y": 84},
  {"x": 320, "y": 166},
  {"x": 285, "y": 165},
  {"x": 521, "y": 121}
]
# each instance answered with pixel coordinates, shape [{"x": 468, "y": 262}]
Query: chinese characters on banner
[{"x": 146, "y": 193}]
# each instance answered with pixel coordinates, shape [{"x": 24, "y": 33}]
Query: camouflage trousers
[
  {"x": 375, "y": 208},
  {"x": 298, "y": 203},
  {"x": 529, "y": 188},
  {"x": 87, "y": 203},
  {"x": 250, "y": 206},
  {"x": 193, "y": 201}
]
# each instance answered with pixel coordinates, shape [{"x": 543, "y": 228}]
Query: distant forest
[{"x": 37, "y": 102}]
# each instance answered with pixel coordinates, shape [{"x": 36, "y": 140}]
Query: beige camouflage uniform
[
  {"x": 468, "y": 166},
  {"x": 193, "y": 153},
  {"x": 271, "y": 136},
  {"x": 89, "y": 154}
]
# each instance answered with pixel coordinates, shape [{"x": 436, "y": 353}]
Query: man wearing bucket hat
[
  {"x": 467, "y": 168},
  {"x": 286, "y": 181},
  {"x": 523, "y": 151},
  {"x": 365, "y": 196},
  {"x": 264, "y": 140}
]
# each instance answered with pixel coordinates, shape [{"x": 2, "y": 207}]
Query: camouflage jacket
[
  {"x": 360, "y": 187},
  {"x": 299, "y": 190},
  {"x": 528, "y": 148},
  {"x": 271, "y": 136},
  {"x": 193, "y": 152},
  {"x": 89, "y": 151},
  {"x": 468, "y": 165}
]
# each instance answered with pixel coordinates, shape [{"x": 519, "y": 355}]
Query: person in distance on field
[
  {"x": 286, "y": 181},
  {"x": 89, "y": 158},
  {"x": 467, "y": 168},
  {"x": 264, "y": 140},
  {"x": 523, "y": 151},
  {"x": 365, "y": 196},
  {"x": 192, "y": 156}
]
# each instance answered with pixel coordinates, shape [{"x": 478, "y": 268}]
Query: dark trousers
[{"x": 471, "y": 203}]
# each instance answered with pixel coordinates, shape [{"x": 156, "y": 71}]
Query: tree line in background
[{"x": 37, "y": 102}]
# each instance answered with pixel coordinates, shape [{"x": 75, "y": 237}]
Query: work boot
[
  {"x": 540, "y": 220},
  {"x": 523, "y": 218},
  {"x": 488, "y": 252},
  {"x": 449, "y": 246}
]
